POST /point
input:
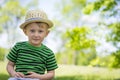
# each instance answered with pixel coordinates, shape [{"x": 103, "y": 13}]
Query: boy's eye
[
  {"x": 32, "y": 30},
  {"x": 40, "y": 31}
]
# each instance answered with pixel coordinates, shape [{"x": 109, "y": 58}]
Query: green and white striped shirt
[{"x": 30, "y": 58}]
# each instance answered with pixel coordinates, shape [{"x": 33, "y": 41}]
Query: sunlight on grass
[{"x": 72, "y": 70}]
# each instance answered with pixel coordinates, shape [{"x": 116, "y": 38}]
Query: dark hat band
[{"x": 31, "y": 19}]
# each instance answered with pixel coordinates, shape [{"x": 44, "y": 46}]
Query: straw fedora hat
[{"x": 36, "y": 16}]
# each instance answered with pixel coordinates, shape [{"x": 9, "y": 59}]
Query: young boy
[{"x": 30, "y": 59}]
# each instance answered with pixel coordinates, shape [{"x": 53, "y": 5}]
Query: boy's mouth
[{"x": 36, "y": 39}]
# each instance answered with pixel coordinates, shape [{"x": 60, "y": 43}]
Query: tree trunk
[{"x": 76, "y": 56}]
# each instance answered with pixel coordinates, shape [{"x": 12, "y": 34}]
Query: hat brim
[{"x": 50, "y": 24}]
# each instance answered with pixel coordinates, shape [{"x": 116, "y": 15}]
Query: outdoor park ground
[{"x": 72, "y": 72}]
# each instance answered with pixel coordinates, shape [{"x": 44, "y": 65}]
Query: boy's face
[{"x": 36, "y": 33}]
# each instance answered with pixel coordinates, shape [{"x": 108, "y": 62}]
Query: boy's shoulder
[
  {"x": 21, "y": 43},
  {"x": 47, "y": 49}
]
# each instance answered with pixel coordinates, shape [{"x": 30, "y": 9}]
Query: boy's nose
[{"x": 36, "y": 34}]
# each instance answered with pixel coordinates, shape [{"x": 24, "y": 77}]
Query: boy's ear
[
  {"x": 47, "y": 32},
  {"x": 24, "y": 30}
]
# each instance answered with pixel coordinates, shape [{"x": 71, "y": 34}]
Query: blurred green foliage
[
  {"x": 13, "y": 12},
  {"x": 3, "y": 52},
  {"x": 105, "y": 5},
  {"x": 115, "y": 33},
  {"x": 76, "y": 38},
  {"x": 105, "y": 61},
  {"x": 68, "y": 57},
  {"x": 116, "y": 60}
]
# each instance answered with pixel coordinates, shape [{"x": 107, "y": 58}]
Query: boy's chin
[{"x": 36, "y": 44}]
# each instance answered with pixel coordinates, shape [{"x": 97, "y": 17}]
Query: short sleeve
[
  {"x": 51, "y": 63},
  {"x": 12, "y": 55}
]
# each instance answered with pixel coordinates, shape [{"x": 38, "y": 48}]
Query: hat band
[{"x": 31, "y": 19}]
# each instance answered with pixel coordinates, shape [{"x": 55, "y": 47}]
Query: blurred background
[{"x": 85, "y": 37}]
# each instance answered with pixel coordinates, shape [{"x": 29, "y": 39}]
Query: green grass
[
  {"x": 86, "y": 73},
  {"x": 72, "y": 72},
  {"x": 3, "y": 73}
]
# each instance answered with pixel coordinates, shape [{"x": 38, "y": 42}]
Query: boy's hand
[
  {"x": 18, "y": 75},
  {"x": 31, "y": 75}
]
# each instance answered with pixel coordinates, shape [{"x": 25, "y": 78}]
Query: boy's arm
[
  {"x": 10, "y": 68},
  {"x": 11, "y": 71},
  {"x": 48, "y": 76}
]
